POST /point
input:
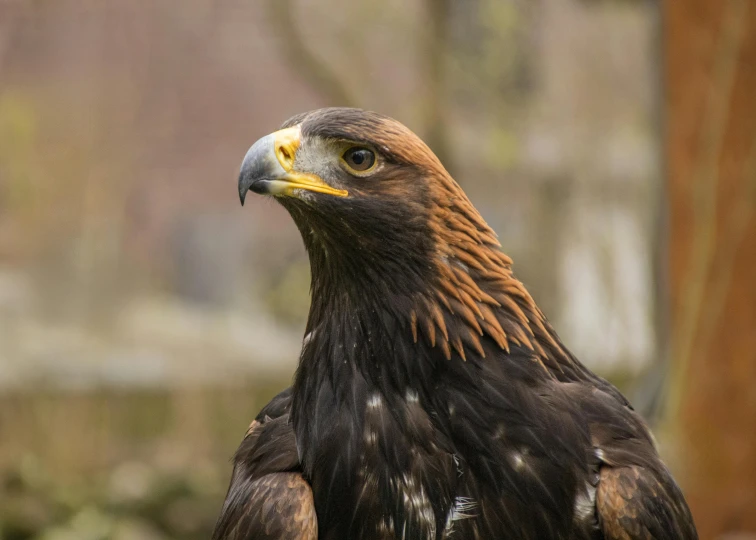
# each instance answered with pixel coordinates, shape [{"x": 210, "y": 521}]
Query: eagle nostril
[
  {"x": 286, "y": 142},
  {"x": 285, "y": 157}
]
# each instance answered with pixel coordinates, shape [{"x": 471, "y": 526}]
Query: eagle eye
[{"x": 359, "y": 159}]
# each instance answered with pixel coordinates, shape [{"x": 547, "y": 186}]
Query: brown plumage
[
  {"x": 433, "y": 399},
  {"x": 274, "y": 502}
]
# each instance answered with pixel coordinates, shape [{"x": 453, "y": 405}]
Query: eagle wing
[
  {"x": 268, "y": 498},
  {"x": 638, "y": 503}
]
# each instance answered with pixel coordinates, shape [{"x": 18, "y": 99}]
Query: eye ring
[{"x": 359, "y": 160}]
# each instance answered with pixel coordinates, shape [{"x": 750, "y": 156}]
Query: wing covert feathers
[
  {"x": 268, "y": 499},
  {"x": 635, "y": 503}
]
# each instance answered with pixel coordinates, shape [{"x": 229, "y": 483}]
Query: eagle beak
[{"x": 268, "y": 168}]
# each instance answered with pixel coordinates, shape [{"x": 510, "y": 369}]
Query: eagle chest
[{"x": 380, "y": 469}]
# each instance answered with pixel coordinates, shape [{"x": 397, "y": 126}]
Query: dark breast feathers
[{"x": 518, "y": 458}]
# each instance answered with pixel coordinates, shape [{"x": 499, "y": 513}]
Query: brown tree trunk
[{"x": 710, "y": 102}]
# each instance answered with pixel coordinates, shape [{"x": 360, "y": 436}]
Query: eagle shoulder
[
  {"x": 638, "y": 503},
  {"x": 268, "y": 498},
  {"x": 636, "y": 497}
]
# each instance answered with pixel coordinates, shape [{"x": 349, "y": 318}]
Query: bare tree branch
[{"x": 301, "y": 58}]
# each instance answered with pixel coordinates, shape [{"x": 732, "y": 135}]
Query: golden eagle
[{"x": 433, "y": 399}]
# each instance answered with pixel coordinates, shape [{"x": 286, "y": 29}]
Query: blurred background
[{"x": 145, "y": 317}]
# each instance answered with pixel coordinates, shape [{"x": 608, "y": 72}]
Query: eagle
[{"x": 433, "y": 399}]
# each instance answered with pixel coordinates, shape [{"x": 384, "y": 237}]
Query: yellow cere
[{"x": 286, "y": 143}]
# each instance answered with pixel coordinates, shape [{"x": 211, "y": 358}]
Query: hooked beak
[{"x": 268, "y": 168}]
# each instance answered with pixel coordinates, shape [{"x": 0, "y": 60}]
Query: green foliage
[
  {"x": 19, "y": 121},
  {"x": 137, "y": 501},
  {"x": 130, "y": 465}
]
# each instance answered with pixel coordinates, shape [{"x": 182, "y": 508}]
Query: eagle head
[
  {"x": 385, "y": 224},
  {"x": 366, "y": 193}
]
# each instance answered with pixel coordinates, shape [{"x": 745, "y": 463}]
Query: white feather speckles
[
  {"x": 585, "y": 503},
  {"x": 463, "y": 508},
  {"x": 375, "y": 401},
  {"x": 386, "y": 525},
  {"x": 308, "y": 338},
  {"x": 518, "y": 458},
  {"x": 416, "y": 502},
  {"x": 412, "y": 396},
  {"x": 457, "y": 464},
  {"x": 371, "y": 437}
]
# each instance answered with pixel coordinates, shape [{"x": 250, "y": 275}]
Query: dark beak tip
[
  {"x": 244, "y": 185},
  {"x": 259, "y": 164}
]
